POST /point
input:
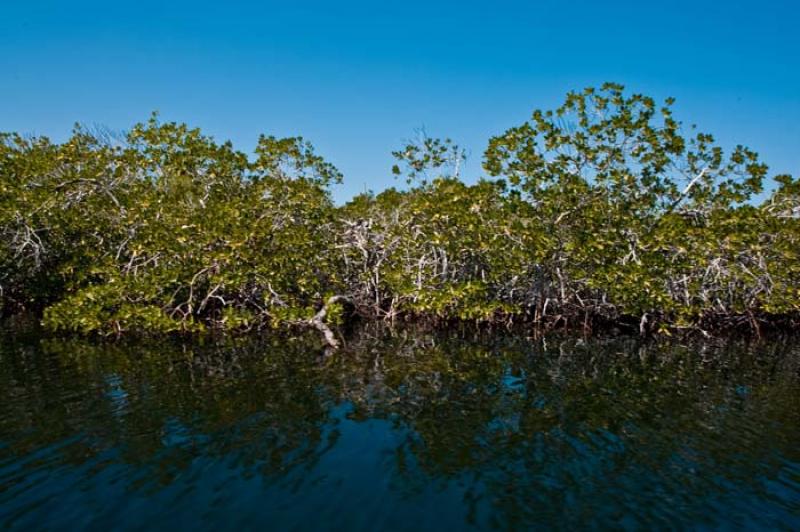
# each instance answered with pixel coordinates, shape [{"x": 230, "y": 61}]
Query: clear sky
[{"x": 356, "y": 78}]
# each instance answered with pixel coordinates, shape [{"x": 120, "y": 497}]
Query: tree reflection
[{"x": 531, "y": 430}]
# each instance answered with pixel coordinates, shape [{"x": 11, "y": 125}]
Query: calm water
[{"x": 411, "y": 432}]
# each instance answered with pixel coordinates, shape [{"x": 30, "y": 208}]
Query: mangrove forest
[{"x": 606, "y": 212}]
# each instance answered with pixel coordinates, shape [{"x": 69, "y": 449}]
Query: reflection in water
[{"x": 404, "y": 431}]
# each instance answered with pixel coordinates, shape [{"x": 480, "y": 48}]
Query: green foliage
[
  {"x": 599, "y": 210},
  {"x": 643, "y": 218},
  {"x": 425, "y": 154},
  {"x": 164, "y": 231},
  {"x": 446, "y": 249}
]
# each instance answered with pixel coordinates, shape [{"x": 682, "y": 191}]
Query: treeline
[{"x": 604, "y": 211}]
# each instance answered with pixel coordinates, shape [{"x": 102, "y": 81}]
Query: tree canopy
[{"x": 604, "y": 210}]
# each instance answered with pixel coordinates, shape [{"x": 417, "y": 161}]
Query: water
[{"x": 410, "y": 432}]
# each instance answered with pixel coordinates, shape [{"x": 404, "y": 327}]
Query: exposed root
[{"x": 318, "y": 322}]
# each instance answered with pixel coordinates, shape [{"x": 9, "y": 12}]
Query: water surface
[{"x": 411, "y": 431}]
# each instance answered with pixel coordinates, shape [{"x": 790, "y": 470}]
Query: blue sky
[{"x": 356, "y": 78}]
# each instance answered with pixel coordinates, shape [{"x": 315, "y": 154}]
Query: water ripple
[{"x": 399, "y": 434}]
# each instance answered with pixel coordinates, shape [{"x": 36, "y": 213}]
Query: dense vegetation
[{"x": 604, "y": 211}]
